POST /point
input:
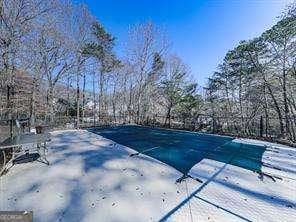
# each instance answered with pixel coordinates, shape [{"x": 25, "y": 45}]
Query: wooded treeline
[
  {"x": 67, "y": 63},
  {"x": 254, "y": 88}
]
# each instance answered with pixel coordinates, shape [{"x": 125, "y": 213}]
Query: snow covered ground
[{"x": 92, "y": 179}]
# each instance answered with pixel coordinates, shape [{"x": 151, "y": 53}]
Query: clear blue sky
[{"x": 201, "y": 31}]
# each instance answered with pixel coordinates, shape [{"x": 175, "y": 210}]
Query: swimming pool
[{"x": 183, "y": 149}]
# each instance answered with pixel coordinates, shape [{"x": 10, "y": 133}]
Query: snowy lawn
[{"x": 92, "y": 179}]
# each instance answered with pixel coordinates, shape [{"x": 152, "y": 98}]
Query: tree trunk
[
  {"x": 277, "y": 108},
  {"x": 83, "y": 98},
  {"x": 68, "y": 97},
  {"x": 168, "y": 116},
  {"x": 114, "y": 103},
  {"x": 101, "y": 85},
  {"x": 32, "y": 103},
  {"x": 77, "y": 102},
  {"x": 94, "y": 98},
  {"x": 243, "y": 125},
  {"x": 286, "y": 108},
  {"x": 50, "y": 104},
  {"x": 284, "y": 82},
  {"x": 129, "y": 107}
]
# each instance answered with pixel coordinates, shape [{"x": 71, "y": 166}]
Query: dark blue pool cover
[{"x": 183, "y": 149}]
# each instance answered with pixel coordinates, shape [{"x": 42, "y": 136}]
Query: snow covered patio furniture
[{"x": 23, "y": 148}]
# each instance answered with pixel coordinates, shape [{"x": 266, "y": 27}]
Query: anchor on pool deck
[{"x": 185, "y": 176}]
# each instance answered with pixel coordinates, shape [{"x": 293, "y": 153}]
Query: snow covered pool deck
[{"x": 91, "y": 179}]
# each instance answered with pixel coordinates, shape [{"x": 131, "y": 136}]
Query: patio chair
[{"x": 24, "y": 147}]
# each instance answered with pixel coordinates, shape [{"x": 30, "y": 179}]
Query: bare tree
[
  {"x": 16, "y": 24},
  {"x": 145, "y": 41}
]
